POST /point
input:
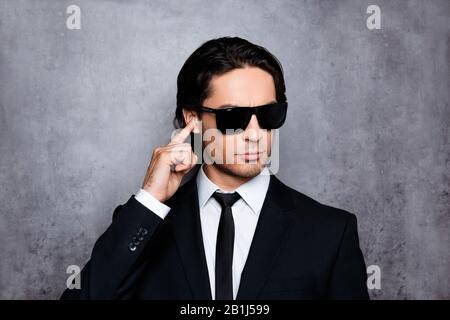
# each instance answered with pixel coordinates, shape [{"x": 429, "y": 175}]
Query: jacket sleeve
[
  {"x": 349, "y": 275},
  {"x": 116, "y": 253}
]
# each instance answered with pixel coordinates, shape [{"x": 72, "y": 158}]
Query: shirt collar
[{"x": 253, "y": 192}]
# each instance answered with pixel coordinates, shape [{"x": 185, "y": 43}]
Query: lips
[{"x": 251, "y": 155}]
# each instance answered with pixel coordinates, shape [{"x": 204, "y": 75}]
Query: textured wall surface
[{"x": 367, "y": 129}]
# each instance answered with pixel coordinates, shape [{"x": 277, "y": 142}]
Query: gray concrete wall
[{"x": 367, "y": 129}]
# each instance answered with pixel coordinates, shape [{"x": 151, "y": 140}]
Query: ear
[{"x": 189, "y": 115}]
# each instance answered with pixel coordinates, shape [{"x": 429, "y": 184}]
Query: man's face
[{"x": 249, "y": 86}]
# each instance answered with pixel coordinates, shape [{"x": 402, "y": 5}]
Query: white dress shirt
[{"x": 245, "y": 215}]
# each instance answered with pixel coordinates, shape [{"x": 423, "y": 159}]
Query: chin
[{"x": 245, "y": 170}]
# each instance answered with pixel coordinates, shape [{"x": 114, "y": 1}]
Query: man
[{"x": 233, "y": 231}]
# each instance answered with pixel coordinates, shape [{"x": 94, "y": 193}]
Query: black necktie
[{"x": 224, "y": 246}]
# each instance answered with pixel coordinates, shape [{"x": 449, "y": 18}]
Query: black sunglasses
[{"x": 270, "y": 116}]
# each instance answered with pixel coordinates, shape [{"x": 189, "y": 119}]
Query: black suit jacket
[{"x": 301, "y": 249}]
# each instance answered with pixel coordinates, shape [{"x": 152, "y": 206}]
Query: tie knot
[{"x": 226, "y": 199}]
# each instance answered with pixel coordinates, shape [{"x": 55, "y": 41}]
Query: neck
[{"x": 222, "y": 179}]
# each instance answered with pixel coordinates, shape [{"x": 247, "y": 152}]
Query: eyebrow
[{"x": 234, "y": 106}]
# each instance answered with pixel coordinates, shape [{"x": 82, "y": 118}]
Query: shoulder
[{"x": 306, "y": 207}]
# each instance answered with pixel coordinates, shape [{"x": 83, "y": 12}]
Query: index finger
[{"x": 184, "y": 133}]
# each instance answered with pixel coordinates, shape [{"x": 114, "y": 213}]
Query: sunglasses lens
[
  {"x": 272, "y": 116},
  {"x": 232, "y": 119}
]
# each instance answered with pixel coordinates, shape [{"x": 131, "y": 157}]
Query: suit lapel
[
  {"x": 185, "y": 220},
  {"x": 271, "y": 229}
]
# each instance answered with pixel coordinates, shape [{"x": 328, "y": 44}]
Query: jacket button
[
  {"x": 140, "y": 238},
  {"x": 131, "y": 247},
  {"x": 142, "y": 232},
  {"x": 135, "y": 241}
]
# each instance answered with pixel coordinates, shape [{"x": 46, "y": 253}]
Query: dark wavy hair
[{"x": 216, "y": 57}]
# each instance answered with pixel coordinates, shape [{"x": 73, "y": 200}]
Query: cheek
[
  {"x": 269, "y": 140},
  {"x": 265, "y": 143},
  {"x": 229, "y": 141},
  {"x": 208, "y": 133},
  {"x": 208, "y": 122}
]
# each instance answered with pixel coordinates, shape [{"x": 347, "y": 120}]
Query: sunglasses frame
[{"x": 253, "y": 111}]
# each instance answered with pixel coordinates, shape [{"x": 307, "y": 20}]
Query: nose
[{"x": 253, "y": 130}]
